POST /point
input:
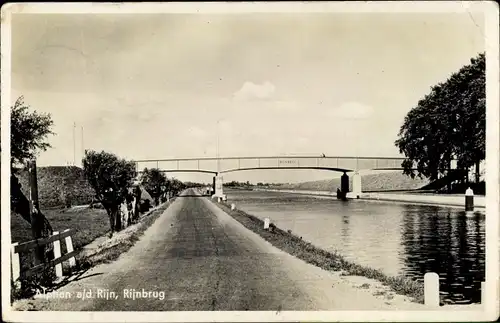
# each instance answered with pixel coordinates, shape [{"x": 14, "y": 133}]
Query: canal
[{"x": 398, "y": 239}]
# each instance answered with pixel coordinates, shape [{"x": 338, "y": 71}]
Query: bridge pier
[
  {"x": 356, "y": 185},
  {"x": 218, "y": 186},
  {"x": 344, "y": 183}
]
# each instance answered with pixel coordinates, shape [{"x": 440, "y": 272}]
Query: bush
[{"x": 145, "y": 206}]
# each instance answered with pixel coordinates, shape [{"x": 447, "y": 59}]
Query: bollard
[
  {"x": 431, "y": 289},
  {"x": 469, "y": 200},
  {"x": 266, "y": 223},
  {"x": 233, "y": 206},
  {"x": 483, "y": 293},
  {"x": 218, "y": 199}
]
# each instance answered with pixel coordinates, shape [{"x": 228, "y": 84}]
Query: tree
[
  {"x": 448, "y": 123},
  {"x": 112, "y": 180},
  {"x": 469, "y": 85},
  {"x": 29, "y": 131},
  {"x": 155, "y": 182},
  {"x": 176, "y": 186}
]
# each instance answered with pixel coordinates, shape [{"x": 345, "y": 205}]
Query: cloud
[
  {"x": 250, "y": 91},
  {"x": 352, "y": 110}
]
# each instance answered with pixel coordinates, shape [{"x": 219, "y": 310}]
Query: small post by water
[
  {"x": 469, "y": 200},
  {"x": 431, "y": 289},
  {"x": 266, "y": 223},
  {"x": 483, "y": 292},
  {"x": 233, "y": 206}
]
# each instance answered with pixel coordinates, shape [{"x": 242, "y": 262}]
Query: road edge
[
  {"x": 105, "y": 250},
  {"x": 313, "y": 255}
]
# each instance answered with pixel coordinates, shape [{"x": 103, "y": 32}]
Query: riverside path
[{"x": 195, "y": 257}]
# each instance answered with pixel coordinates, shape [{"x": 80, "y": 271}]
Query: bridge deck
[{"x": 231, "y": 164}]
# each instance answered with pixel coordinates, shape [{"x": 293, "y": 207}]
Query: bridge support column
[
  {"x": 356, "y": 185},
  {"x": 344, "y": 183},
  {"x": 213, "y": 185},
  {"x": 218, "y": 189}
]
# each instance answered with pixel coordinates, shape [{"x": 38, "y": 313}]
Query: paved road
[{"x": 202, "y": 259}]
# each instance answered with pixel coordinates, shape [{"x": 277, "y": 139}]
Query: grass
[
  {"x": 309, "y": 253},
  {"x": 59, "y": 186},
  {"x": 89, "y": 224}
]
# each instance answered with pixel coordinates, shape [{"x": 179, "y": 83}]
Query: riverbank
[
  {"x": 394, "y": 289},
  {"x": 306, "y": 251},
  {"x": 406, "y": 197},
  {"x": 428, "y": 199}
]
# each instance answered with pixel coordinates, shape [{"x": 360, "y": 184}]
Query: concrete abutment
[
  {"x": 345, "y": 191},
  {"x": 218, "y": 187}
]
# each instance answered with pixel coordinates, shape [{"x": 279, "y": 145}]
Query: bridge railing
[{"x": 226, "y": 164}]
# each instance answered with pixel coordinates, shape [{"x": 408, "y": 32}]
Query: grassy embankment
[
  {"x": 309, "y": 253},
  {"x": 383, "y": 181},
  {"x": 57, "y": 186}
]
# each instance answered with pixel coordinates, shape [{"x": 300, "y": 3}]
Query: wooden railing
[{"x": 18, "y": 248}]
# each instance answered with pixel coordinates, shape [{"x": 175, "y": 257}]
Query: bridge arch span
[
  {"x": 185, "y": 171},
  {"x": 334, "y": 169}
]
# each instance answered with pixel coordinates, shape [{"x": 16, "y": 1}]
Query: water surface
[{"x": 397, "y": 238}]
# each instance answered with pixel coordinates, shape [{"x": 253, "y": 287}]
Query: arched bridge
[{"x": 223, "y": 165}]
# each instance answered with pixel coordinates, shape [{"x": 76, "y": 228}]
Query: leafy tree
[
  {"x": 29, "y": 131},
  {"x": 448, "y": 123},
  {"x": 176, "y": 186},
  {"x": 112, "y": 180},
  {"x": 155, "y": 182}
]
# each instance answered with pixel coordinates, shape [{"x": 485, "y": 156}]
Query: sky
[{"x": 153, "y": 86}]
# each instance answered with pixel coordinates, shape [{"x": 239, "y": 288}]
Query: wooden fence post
[
  {"x": 16, "y": 265},
  {"x": 69, "y": 248},
  {"x": 34, "y": 207},
  {"x": 57, "y": 254}
]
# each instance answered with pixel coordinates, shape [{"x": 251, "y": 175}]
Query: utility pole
[
  {"x": 218, "y": 157},
  {"x": 74, "y": 144},
  {"x": 83, "y": 147}
]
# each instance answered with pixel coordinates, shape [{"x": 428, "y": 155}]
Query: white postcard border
[{"x": 491, "y": 307}]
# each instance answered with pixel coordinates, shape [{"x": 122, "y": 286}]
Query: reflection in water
[
  {"x": 398, "y": 239},
  {"x": 448, "y": 243}
]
